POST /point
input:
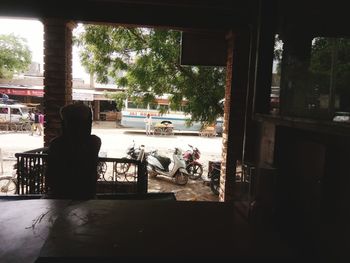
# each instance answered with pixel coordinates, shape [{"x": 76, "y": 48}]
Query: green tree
[
  {"x": 150, "y": 59},
  {"x": 327, "y": 52},
  {"x": 330, "y": 67},
  {"x": 15, "y": 55}
]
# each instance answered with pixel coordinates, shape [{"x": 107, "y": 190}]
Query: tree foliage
[
  {"x": 15, "y": 55},
  {"x": 330, "y": 68},
  {"x": 325, "y": 53},
  {"x": 150, "y": 59}
]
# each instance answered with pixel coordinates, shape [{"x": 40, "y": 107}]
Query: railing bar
[
  {"x": 24, "y": 161},
  {"x": 26, "y": 174},
  {"x": 19, "y": 178},
  {"x": 31, "y": 154},
  {"x": 39, "y": 175},
  {"x": 114, "y": 171},
  {"x": 30, "y": 176},
  {"x": 26, "y": 179},
  {"x": 19, "y": 160},
  {"x": 22, "y": 176},
  {"x": 42, "y": 149},
  {"x": 118, "y": 160},
  {"x": 41, "y": 178},
  {"x": 32, "y": 187}
]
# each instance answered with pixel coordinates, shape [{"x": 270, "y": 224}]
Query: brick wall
[
  {"x": 57, "y": 72},
  {"x": 230, "y": 43}
]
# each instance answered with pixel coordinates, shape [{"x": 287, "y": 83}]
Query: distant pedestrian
[
  {"x": 36, "y": 124},
  {"x": 148, "y": 124},
  {"x": 41, "y": 123},
  {"x": 5, "y": 97},
  {"x": 31, "y": 115}
]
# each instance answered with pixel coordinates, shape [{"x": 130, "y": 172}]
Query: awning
[
  {"x": 38, "y": 91},
  {"x": 23, "y": 92}
]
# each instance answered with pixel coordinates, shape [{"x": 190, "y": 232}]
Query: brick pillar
[
  {"x": 96, "y": 104},
  {"x": 235, "y": 108},
  {"x": 57, "y": 73}
]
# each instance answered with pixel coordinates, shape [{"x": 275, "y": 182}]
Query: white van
[{"x": 13, "y": 112}]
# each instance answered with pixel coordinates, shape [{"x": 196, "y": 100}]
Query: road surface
[{"x": 114, "y": 144}]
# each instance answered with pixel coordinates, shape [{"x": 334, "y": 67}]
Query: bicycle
[
  {"x": 26, "y": 126},
  {"x": 120, "y": 168},
  {"x": 101, "y": 170},
  {"x": 8, "y": 184}
]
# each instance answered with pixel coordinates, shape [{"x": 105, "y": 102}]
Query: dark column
[
  {"x": 235, "y": 109},
  {"x": 264, "y": 56},
  {"x": 57, "y": 73}
]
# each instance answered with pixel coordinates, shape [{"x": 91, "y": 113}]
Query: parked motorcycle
[
  {"x": 214, "y": 170},
  {"x": 193, "y": 167},
  {"x": 132, "y": 152},
  {"x": 159, "y": 165}
]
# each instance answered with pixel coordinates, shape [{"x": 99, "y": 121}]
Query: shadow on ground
[{"x": 194, "y": 190}]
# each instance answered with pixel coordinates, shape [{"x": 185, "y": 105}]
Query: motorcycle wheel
[
  {"x": 181, "y": 178},
  {"x": 151, "y": 171},
  {"x": 195, "y": 171},
  {"x": 215, "y": 183}
]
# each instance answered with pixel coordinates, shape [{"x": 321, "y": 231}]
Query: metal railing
[
  {"x": 245, "y": 181},
  {"x": 115, "y": 175}
]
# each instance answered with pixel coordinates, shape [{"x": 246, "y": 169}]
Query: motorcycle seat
[{"x": 165, "y": 161}]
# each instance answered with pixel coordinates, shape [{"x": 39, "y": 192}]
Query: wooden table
[{"x": 131, "y": 230}]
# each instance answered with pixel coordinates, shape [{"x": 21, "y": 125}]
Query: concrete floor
[{"x": 115, "y": 141}]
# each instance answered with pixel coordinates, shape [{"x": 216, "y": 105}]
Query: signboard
[
  {"x": 22, "y": 92},
  {"x": 83, "y": 96}
]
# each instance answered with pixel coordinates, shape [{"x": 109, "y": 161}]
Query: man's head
[{"x": 76, "y": 119}]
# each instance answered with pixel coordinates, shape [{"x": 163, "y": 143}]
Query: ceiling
[{"x": 205, "y": 14}]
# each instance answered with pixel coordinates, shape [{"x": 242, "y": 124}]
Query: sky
[{"x": 33, "y": 31}]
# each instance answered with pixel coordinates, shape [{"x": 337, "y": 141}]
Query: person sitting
[{"x": 73, "y": 156}]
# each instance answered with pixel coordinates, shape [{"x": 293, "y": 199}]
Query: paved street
[{"x": 114, "y": 144}]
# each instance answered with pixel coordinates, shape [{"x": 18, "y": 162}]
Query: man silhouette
[{"x": 73, "y": 156}]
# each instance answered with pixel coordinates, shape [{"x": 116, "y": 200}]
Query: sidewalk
[
  {"x": 130, "y": 130},
  {"x": 176, "y": 132}
]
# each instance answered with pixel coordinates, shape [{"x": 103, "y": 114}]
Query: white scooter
[{"x": 159, "y": 165}]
